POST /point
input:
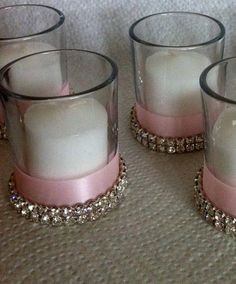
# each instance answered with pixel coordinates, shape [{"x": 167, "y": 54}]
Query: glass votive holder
[
  {"x": 62, "y": 122},
  {"x": 26, "y": 29},
  {"x": 215, "y": 184},
  {"x": 170, "y": 50}
]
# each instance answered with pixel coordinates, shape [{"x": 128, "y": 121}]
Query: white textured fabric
[{"x": 156, "y": 235}]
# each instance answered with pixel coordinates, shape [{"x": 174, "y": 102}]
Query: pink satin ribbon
[
  {"x": 170, "y": 126},
  {"x": 222, "y": 195},
  {"x": 67, "y": 192}
]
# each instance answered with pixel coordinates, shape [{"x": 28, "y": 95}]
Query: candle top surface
[
  {"x": 68, "y": 118},
  {"x": 171, "y": 82},
  {"x": 187, "y": 63},
  {"x": 13, "y": 51}
]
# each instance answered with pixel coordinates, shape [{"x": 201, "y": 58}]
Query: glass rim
[
  {"x": 136, "y": 38},
  {"x": 113, "y": 75},
  {"x": 50, "y": 29},
  {"x": 205, "y": 87}
]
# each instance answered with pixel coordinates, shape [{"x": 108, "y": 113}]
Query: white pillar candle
[
  {"x": 18, "y": 81},
  {"x": 27, "y": 77},
  {"x": 16, "y": 133},
  {"x": 172, "y": 82},
  {"x": 66, "y": 139},
  {"x": 222, "y": 158}
]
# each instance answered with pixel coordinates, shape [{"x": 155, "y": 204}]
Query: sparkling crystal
[
  {"x": 30, "y": 207},
  {"x": 230, "y": 226},
  {"x": 218, "y": 215},
  {"x": 18, "y": 205},
  {"x": 171, "y": 150},
  {"x": 152, "y": 139},
  {"x": 180, "y": 149},
  {"x": 145, "y": 142},
  {"x": 78, "y": 211},
  {"x": 56, "y": 220},
  {"x": 84, "y": 211},
  {"x": 199, "y": 139},
  {"x": 11, "y": 184},
  {"x": 170, "y": 142},
  {"x": 90, "y": 209},
  {"x": 132, "y": 125},
  {"x": 199, "y": 146},
  {"x": 161, "y": 141},
  {"x": 208, "y": 218},
  {"x": 45, "y": 219},
  {"x": 120, "y": 188},
  {"x": 152, "y": 146},
  {"x": 34, "y": 216},
  {"x": 135, "y": 129},
  {"x": 195, "y": 189},
  {"x": 132, "y": 119},
  {"x": 81, "y": 219},
  {"x": 162, "y": 149},
  {"x": 189, "y": 140},
  {"x": 180, "y": 142},
  {"x": 24, "y": 211},
  {"x": 139, "y": 138},
  {"x": 202, "y": 204},
  {"x": 54, "y": 211},
  {"x": 145, "y": 135},
  {"x": 113, "y": 203},
  {"x": 211, "y": 211},
  {"x": 190, "y": 147},
  {"x": 104, "y": 199},
  {"x": 65, "y": 212},
  {"x": 219, "y": 225},
  {"x": 13, "y": 198}
]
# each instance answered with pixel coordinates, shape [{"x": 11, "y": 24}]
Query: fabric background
[{"x": 156, "y": 235}]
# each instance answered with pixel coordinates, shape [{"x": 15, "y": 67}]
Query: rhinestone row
[
  {"x": 164, "y": 144},
  {"x": 219, "y": 219},
  {"x": 3, "y": 131},
  {"x": 80, "y": 213}
]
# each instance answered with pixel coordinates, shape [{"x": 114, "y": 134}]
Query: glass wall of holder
[
  {"x": 216, "y": 184},
  {"x": 26, "y": 29},
  {"x": 170, "y": 50},
  {"x": 62, "y": 124}
]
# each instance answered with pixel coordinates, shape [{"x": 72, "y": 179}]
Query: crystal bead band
[
  {"x": 3, "y": 131},
  {"x": 216, "y": 217},
  {"x": 80, "y": 213},
  {"x": 164, "y": 144}
]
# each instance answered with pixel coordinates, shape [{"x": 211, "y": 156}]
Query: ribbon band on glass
[{"x": 162, "y": 144}]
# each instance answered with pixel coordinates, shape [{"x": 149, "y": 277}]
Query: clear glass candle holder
[
  {"x": 170, "y": 50},
  {"x": 63, "y": 128},
  {"x": 26, "y": 29},
  {"x": 219, "y": 102}
]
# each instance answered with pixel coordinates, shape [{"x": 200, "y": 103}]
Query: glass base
[
  {"x": 210, "y": 213},
  {"x": 78, "y": 214},
  {"x": 170, "y": 145}
]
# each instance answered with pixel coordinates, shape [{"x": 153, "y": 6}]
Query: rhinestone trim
[
  {"x": 3, "y": 132},
  {"x": 161, "y": 144},
  {"x": 214, "y": 216},
  {"x": 80, "y": 213}
]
